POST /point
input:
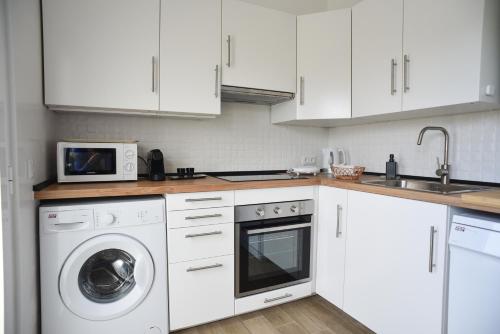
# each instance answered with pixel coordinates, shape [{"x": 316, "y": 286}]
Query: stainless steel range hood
[{"x": 254, "y": 96}]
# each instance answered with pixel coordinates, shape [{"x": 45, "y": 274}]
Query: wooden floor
[{"x": 312, "y": 315}]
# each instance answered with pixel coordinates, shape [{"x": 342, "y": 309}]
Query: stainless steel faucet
[{"x": 443, "y": 170}]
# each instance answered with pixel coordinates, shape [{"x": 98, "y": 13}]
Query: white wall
[
  {"x": 474, "y": 145},
  {"x": 4, "y": 196},
  {"x": 243, "y": 138},
  {"x": 32, "y": 132}
]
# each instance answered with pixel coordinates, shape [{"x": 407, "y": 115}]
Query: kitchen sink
[{"x": 426, "y": 186}]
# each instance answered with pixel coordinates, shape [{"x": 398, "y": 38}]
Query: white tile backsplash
[
  {"x": 243, "y": 138},
  {"x": 474, "y": 145}
]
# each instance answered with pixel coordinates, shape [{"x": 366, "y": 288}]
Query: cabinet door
[
  {"x": 101, "y": 53},
  {"x": 190, "y": 56},
  {"x": 259, "y": 47},
  {"x": 377, "y": 57},
  {"x": 389, "y": 285},
  {"x": 324, "y": 65},
  {"x": 332, "y": 226},
  {"x": 442, "y": 43},
  {"x": 201, "y": 291}
]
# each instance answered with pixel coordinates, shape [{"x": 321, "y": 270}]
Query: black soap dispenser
[{"x": 391, "y": 168}]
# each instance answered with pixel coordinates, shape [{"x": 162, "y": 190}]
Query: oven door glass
[
  {"x": 89, "y": 161},
  {"x": 273, "y": 253}
]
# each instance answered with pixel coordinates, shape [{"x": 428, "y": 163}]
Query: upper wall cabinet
[
  {"x": 259, "y": 47},
  {"x": 105, "y": 55},
  {"x": 377, "y": 29},
  {"x": 323, "y": 69},
  {"x": 101, "y": 54},
  {"x": 450, "y": 51},
  {"x": 190, "y": 56},
  {"x": 422, "y": 54}
]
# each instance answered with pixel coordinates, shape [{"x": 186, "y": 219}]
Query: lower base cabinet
[
  {"x": 395, "y": 264},
  {"x": 332, "y": 228},
  {"x": 201, "y": 291}
]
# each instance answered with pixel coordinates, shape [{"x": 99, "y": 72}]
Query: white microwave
[{"x": 96, "y": 162}]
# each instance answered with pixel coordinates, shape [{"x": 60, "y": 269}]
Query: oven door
[{"x": 272, "y": 254}]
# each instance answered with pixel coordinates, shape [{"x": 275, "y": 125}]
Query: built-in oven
[{"x": 273, "y": 246}]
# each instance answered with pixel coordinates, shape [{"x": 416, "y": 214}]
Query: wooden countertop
[{"x": 145, "y": 187}]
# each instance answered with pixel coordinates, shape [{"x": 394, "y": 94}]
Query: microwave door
[{"x": 90, "y": 161}]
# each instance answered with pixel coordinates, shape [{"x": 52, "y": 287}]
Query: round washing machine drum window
[{"x": 106, "y": 277}]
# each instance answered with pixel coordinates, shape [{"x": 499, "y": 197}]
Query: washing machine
[{"x": 103, "y": 267}]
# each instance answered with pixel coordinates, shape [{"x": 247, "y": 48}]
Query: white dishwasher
[{"x": 474, "y": 286}]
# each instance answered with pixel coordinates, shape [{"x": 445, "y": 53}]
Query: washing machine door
[{"x": 106, "y": 277}]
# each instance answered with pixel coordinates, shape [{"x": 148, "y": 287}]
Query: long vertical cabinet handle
[
  {"x": 339, "y": 218},
  {"x": 431, "y": 249},
  {"x": 228, "y": 51},
  {"x": 216, "y": 81},
  {"x": 406, "y": 73},
  {"x": 301, "y": 91},
  {"x": 394, "y": 65},
  {"x": 153, "y": 74}
]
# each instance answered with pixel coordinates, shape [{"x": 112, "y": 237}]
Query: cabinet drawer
[
  {"x": 201, "y": 291},
  {"x": 186, "y": 244},
  {"x": 187, "y": 201},
  {"x": 200, "y": 217},
  {"x": 271, "y": 298}
]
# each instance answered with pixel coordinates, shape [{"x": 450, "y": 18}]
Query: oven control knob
[
  {"x": 260, "y": 212},
  {"x": 277, "y": 210},
  {"x": 294, "y": 209}
]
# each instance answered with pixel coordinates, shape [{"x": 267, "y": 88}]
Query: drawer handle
[
  {"x": 270, "y": 300},
  {"x": 205, "y": 199},
  {"x": 203, "y": 234},
  {"x": 217, "y": 265},
  {"x": 215, "y": 215}
]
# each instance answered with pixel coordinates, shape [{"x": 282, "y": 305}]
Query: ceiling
[{"x": 300, "y": 7}]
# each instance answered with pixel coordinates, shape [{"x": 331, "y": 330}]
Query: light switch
[
  {"x": 30, "y": 174},
  {"x": 490, "y": 90}
]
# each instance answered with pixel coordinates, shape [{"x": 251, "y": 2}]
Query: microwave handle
[{"x": 278, "y": 228}]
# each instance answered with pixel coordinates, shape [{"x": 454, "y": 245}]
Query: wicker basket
[{"x": 347, "y": 172}]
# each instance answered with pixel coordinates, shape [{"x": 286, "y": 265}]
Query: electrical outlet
[{"x": 308, "y": 161}]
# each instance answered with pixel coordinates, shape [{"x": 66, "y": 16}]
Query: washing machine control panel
[{"x": 110, "y": 216}]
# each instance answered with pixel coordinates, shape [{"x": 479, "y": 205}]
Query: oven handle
[{"x": 278, "y": 228}]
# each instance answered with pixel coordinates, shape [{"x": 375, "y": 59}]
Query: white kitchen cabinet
[
  {"x": 447, "y": 46},
  {"x": 259, "y": 47},
  {"x": 200, "y": 200},
  {"x": 332, "y": 227},
  {"x": 101, "y": 54},
  {"x": 190, "y": 56},
  {"x": 323, "y": 69},
  {"x": 185, "y": 244},
  {"x": 432, "y": 56},
  {"x": 201, "y": 291},
  {"x": 390, "y": 284},
  {"x": 377, "y": 30}
]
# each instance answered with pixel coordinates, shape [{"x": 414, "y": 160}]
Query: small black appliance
[{"x": 156, "y": 169}]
